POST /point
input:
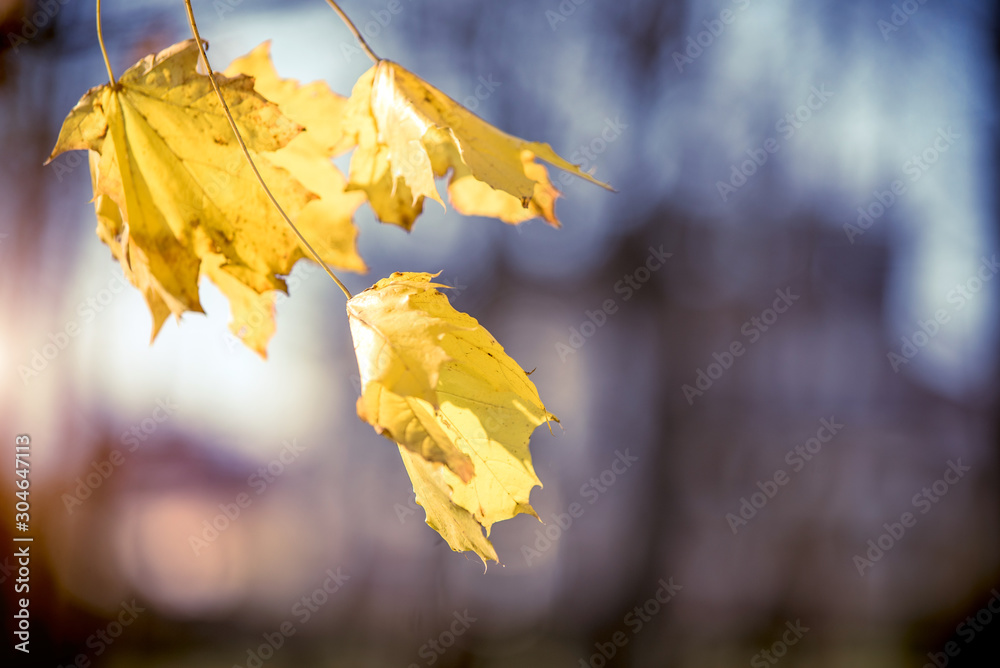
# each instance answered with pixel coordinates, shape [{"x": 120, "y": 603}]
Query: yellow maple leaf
[
  {"x": 253, "y": 313},
  {"x": 390, "y": 198},
  {"x": 409, "y": 132},
  {"x": 164, "y": 154},
  {"x": 460, "y": 409},
  {"x": 326, "y": 222},
  {"x": 111, "y": 230}
]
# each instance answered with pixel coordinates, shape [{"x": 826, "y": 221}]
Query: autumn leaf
[
  {"x": 166, "y": 157},
  {"x": 390, "y": 198},
  {"x": 188, "y": 204},
  {"x": 111, "y": 230},
  {"x": 409, "y": 132},
  {"x": 326, "y": 222},
  {"x": 459, "y": 408}
]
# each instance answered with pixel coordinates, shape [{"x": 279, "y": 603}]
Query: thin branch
[
  {"x": 246, "y": 152},
  {"x": 104, "y": 51},
  {"x": 355, "y": 31}
]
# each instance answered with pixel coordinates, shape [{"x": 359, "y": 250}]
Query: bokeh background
[{"x": 665, "y": 100}]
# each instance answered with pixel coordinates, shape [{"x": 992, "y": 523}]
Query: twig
[
  {"x": 104, "y": 51},
  {"x": 246, "y": 152},
  {"x": 354, "y": 30}
]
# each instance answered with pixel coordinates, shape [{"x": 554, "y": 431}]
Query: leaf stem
[
  {"x": 104, "y": 51},
  {"x": 354, "y": 30},
  {"x": 246, "y": 151}
]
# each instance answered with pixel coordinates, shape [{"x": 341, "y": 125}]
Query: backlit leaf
[
  {"x": 408, "y": 133},
  {"x": 461, "y": 410},
  {"x": 164, "y": 154}
]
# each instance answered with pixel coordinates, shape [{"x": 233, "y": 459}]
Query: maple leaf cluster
[{"x": 176, "y": 200}]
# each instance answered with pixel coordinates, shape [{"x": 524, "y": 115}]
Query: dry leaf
[
  {"x": 460, "y": 409},
  {"x": 409, "y": 132},
  {"x": 325, "y": 222},
  {"x": 164, "y": 154}
]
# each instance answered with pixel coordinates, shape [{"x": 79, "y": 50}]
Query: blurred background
[{"x": 773, "y": 352}]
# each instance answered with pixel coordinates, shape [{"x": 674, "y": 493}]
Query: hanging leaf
[
  {"x": 327, "y": 221},
  {"x": 409, "y": 132},
  {"x": 460, "y": 409},
  {"x": 166, "y": 157}
]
